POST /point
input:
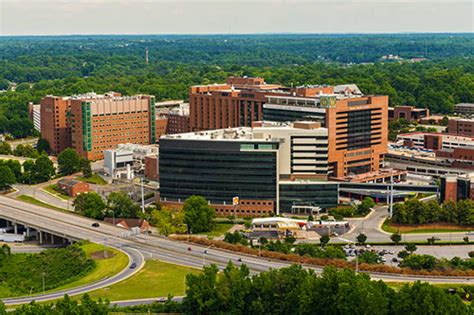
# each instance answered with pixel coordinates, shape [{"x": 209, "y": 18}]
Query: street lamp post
[
  {"x": 143, "y": 198},
  {"x": 105, "y": 247},
  {"x": 43, "y": 274},
  {"x": 204, "y": 255},
  {"x": 357, "y": 260},
  {"x": 391, "y": 199}
]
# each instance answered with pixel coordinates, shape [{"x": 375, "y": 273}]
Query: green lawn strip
[
  {"x": 52, "y": 189},
  {"x": 37, "y": 202},
  {"x": 397, "y": 285},
  {"x": 156, "y": 279},
  {"x": 94, "y": 179},
  {"x": 104, "y": 267},
  {"x": 217, "y": 230}
]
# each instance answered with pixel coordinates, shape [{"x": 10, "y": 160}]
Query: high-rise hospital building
[
  {"x": 357, "y": 124},
  {"x": 91, "y": 123}
]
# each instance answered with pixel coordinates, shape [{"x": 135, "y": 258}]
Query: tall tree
[
  {"x": 90, "y": 205},
  {"x": 42, "y": 145},
  {"x": 7, "y": 177},
  {"x": 122, "y": 206},
  {"x": 198, "y": 215},
  {"x": 86, "y": 168},
  {"x": 43, "y": 169},
  {"x": 69, "y": 162}
]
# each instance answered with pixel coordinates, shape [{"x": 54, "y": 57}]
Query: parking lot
[{"x": 388, "y": 253}]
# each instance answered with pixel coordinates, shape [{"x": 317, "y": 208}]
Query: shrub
[
  {"x": 369, "y": 257},
  {"x": 361, "y": 238},
  {"x": 417, "y": 262},
  {"x": 344, "y": 211}
]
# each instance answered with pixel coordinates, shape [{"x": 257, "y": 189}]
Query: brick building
[
  {"x": 408, "y": 112},
  {"x": 54, "y": 126},
  {"x": 172, "y": 119},
  {"x": 456, "y": 188},
  {"x": 151, "y": 167},
  {"x": 92, "y": 123},
  {"x": 73, "y": 187},
  {"x": 461, "y": 126}
]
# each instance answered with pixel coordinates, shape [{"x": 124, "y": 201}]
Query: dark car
[
  {"x": 133, "y": 266},
  {"x": 95, "y": 224}
]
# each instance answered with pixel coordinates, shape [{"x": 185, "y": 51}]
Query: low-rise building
[
  {"x": 142, "y": 224},
  {"x": 127, "y": 159},
  {"x": 427, "y": 162},
  {"x": 456, "y": 188},
  {"x": 434, "y": 141},
  {"x": 73, "y": 187},
  {"x": 118, "y": 162},
  {"x": 461, "y": 126},
  {"x": 409, "y": 113},
  {"x": 464, "y": 108}
]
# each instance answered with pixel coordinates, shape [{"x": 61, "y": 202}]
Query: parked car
[{"x": 95, "y": 224}]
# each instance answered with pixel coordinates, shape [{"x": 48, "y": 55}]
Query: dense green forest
[{"x": 67, "y": 65}]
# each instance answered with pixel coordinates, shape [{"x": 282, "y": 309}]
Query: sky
[{"x": 65, "y": 17}]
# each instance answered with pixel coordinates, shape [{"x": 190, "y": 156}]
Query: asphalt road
[
  {"x": 371, "y": 227},
  {"x": 37, "y": 192},
  {"x": 149, "y": 246}
]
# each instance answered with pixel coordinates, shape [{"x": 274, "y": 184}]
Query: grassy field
[
  {"x": 53, "y": 189},
  {"x": 156, "y": 279},
  {"x": 218, "y": 229},
  {"x": 425, "y": 228},
  {"x": 37, "y": 202},
  {"x": 94, "y": 179},
  {"x": 105, "y": 267}
]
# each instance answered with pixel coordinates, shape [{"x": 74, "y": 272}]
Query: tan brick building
[{"x": 92, "y": 123}]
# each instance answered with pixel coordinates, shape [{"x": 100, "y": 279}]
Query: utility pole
[
  {"x": 357, "y": 261},
  {"x": 105, "y": 247},
  {"x": 391, "y": 199},
  {"x": 143, "y": 198},
  {"x": 43, "y": 282}
]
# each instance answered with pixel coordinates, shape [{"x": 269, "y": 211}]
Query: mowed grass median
[
  {"x": 155, "y": 279},
  {"x": 115, "y": 262},
  {"x": 37, "y": 202}
]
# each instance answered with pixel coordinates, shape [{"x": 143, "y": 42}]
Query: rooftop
[
  {"x": 444, "y": 135},
  {"x": 248, "y": 133}
]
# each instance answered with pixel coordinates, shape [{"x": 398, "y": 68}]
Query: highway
[{"x": 140, "y": 247}]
